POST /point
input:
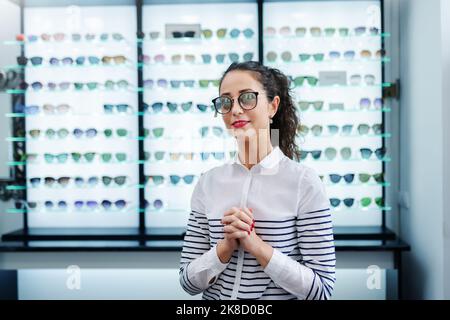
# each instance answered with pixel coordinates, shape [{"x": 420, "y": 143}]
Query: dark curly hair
[{"x": 275, "y": 83}]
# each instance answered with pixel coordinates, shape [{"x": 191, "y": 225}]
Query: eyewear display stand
[{"x": 113, "y": 123}]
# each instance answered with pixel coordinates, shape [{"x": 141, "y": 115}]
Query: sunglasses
[
  {"x": 315, "y": 130},
  {"x": 108, "y": 157},
  {"x": 366, "y": 153},
  {"x": 217, "y": 131},
  {"x": 188, "y": 179},
  {"x": 111, "y": 85},
  {"x": 315, "y": 154},
  {"x": 28, "y": 110},
  {"x": 89, "y": 85},
  {"x": 367, "y": 201},
  {"x": 106, "y": 204},
  {"x": 348, "y": 202},
  {"x": 365, "y": 177},
  {"x": 114, "y": 59},
  {"x": 360, "y": 31},
  {"x": 171, "y": 106},
  {"x": 336, "y": 178},
  {"x": 121, "y": 132},
  {"x": 183, "y": 34},
  {"x": 60, "y": 158},
  {"x": 203, "y": 83},
  {"x": 299, "y": 81},
  {"x": 216, "y": 155},
  {"x": 119, "y": 108},
  {"x": 176, "y": 156},
  {"x": 318, "y": 57},
  {"x": 88, "y": 156},
  {"x": 364, "y": 129},
  {"x": 365, "y": 103},
  {"x": 49, "y": 181},
  {"x": 304, "y": 105},
  {"x": 156, "y": 132},
  {"x": 156, "y": 204},
  {"x": 247, "y": 101},
  {"x": 88, "y": 133},
  {"x": 157, "y": 155}
]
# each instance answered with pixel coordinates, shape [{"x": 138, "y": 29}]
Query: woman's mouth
[{"x": 240, "y": 123}]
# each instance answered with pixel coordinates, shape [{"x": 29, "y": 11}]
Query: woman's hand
[
  {"x": 229, "y": 244},
  {"x": 239, "y": 224}
]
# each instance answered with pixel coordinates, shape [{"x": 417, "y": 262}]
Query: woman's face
[{"x": 244, "y": 121}]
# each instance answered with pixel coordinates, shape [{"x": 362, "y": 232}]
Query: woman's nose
[{"x": 236, "y": 108}]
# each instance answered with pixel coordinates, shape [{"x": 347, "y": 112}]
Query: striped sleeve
[
  {"x": 315, "y": 236},
  {"x": 313, "y": 276},
  {"x": 199, "y": 263}
]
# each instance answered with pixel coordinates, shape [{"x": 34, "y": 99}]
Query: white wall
[
  {"x": 445, "y": 38},
  {"x": 422, "y": 142}
]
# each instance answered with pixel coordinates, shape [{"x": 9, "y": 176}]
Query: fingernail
[
  {"x": 251, "y": 210},
  {"x": 248, "y": 232}
]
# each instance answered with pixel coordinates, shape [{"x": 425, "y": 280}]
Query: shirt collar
[{"x": 268, "y": 162}]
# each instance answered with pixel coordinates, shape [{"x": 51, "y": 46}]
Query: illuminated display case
[{"x": 113, "y": 122}]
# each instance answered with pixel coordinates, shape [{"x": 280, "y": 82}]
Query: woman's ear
[{"x": 274, "y": 106}]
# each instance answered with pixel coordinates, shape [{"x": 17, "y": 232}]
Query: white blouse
[{"x": 292, "y": 213}]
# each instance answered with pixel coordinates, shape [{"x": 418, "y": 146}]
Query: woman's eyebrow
[{"x": 240, "y": 91}]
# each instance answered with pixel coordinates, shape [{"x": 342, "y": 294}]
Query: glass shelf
[
  {"x": 324, "y": 37},
  {"x": 386, "y": 110},
  {"x": 328, "y": 61}
]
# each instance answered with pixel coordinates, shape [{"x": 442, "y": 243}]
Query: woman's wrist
[{"x": 224, "y": 251}]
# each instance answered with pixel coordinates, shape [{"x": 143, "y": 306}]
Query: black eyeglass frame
[{"x": 256, "y": 93}]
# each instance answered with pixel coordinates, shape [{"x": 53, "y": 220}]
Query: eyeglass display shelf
[{"x": 163, "y": 234}]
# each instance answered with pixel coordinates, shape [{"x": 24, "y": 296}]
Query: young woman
[{"x": 260, "y": 226}]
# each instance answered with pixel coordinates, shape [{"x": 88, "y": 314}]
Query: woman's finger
[
  {"x": 229, "y": 219},
  {"x": 238, "y": 235},
  {"x": 241, "y": 225},
  {"x": 246, "y": 217},
  {"x": 231, "y": 211},
  {"x": 230, "y": 229}
]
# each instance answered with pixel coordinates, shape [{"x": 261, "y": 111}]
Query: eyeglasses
[
  {"x": 120, "y": 108},
  {"x": 356, "y": 79},
  {"x": 366, "y": 153},
  {"x": 204, "y": 131},
  {"x": 345, "y": 153},
  {"x": 247, "y": 101},
  {"x": 304, "y": 105}
]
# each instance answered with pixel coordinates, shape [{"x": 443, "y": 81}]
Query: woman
[{"x": 260, "y": 227}]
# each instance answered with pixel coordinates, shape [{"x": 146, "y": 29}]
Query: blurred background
[{"x": 106, "y": 124}]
